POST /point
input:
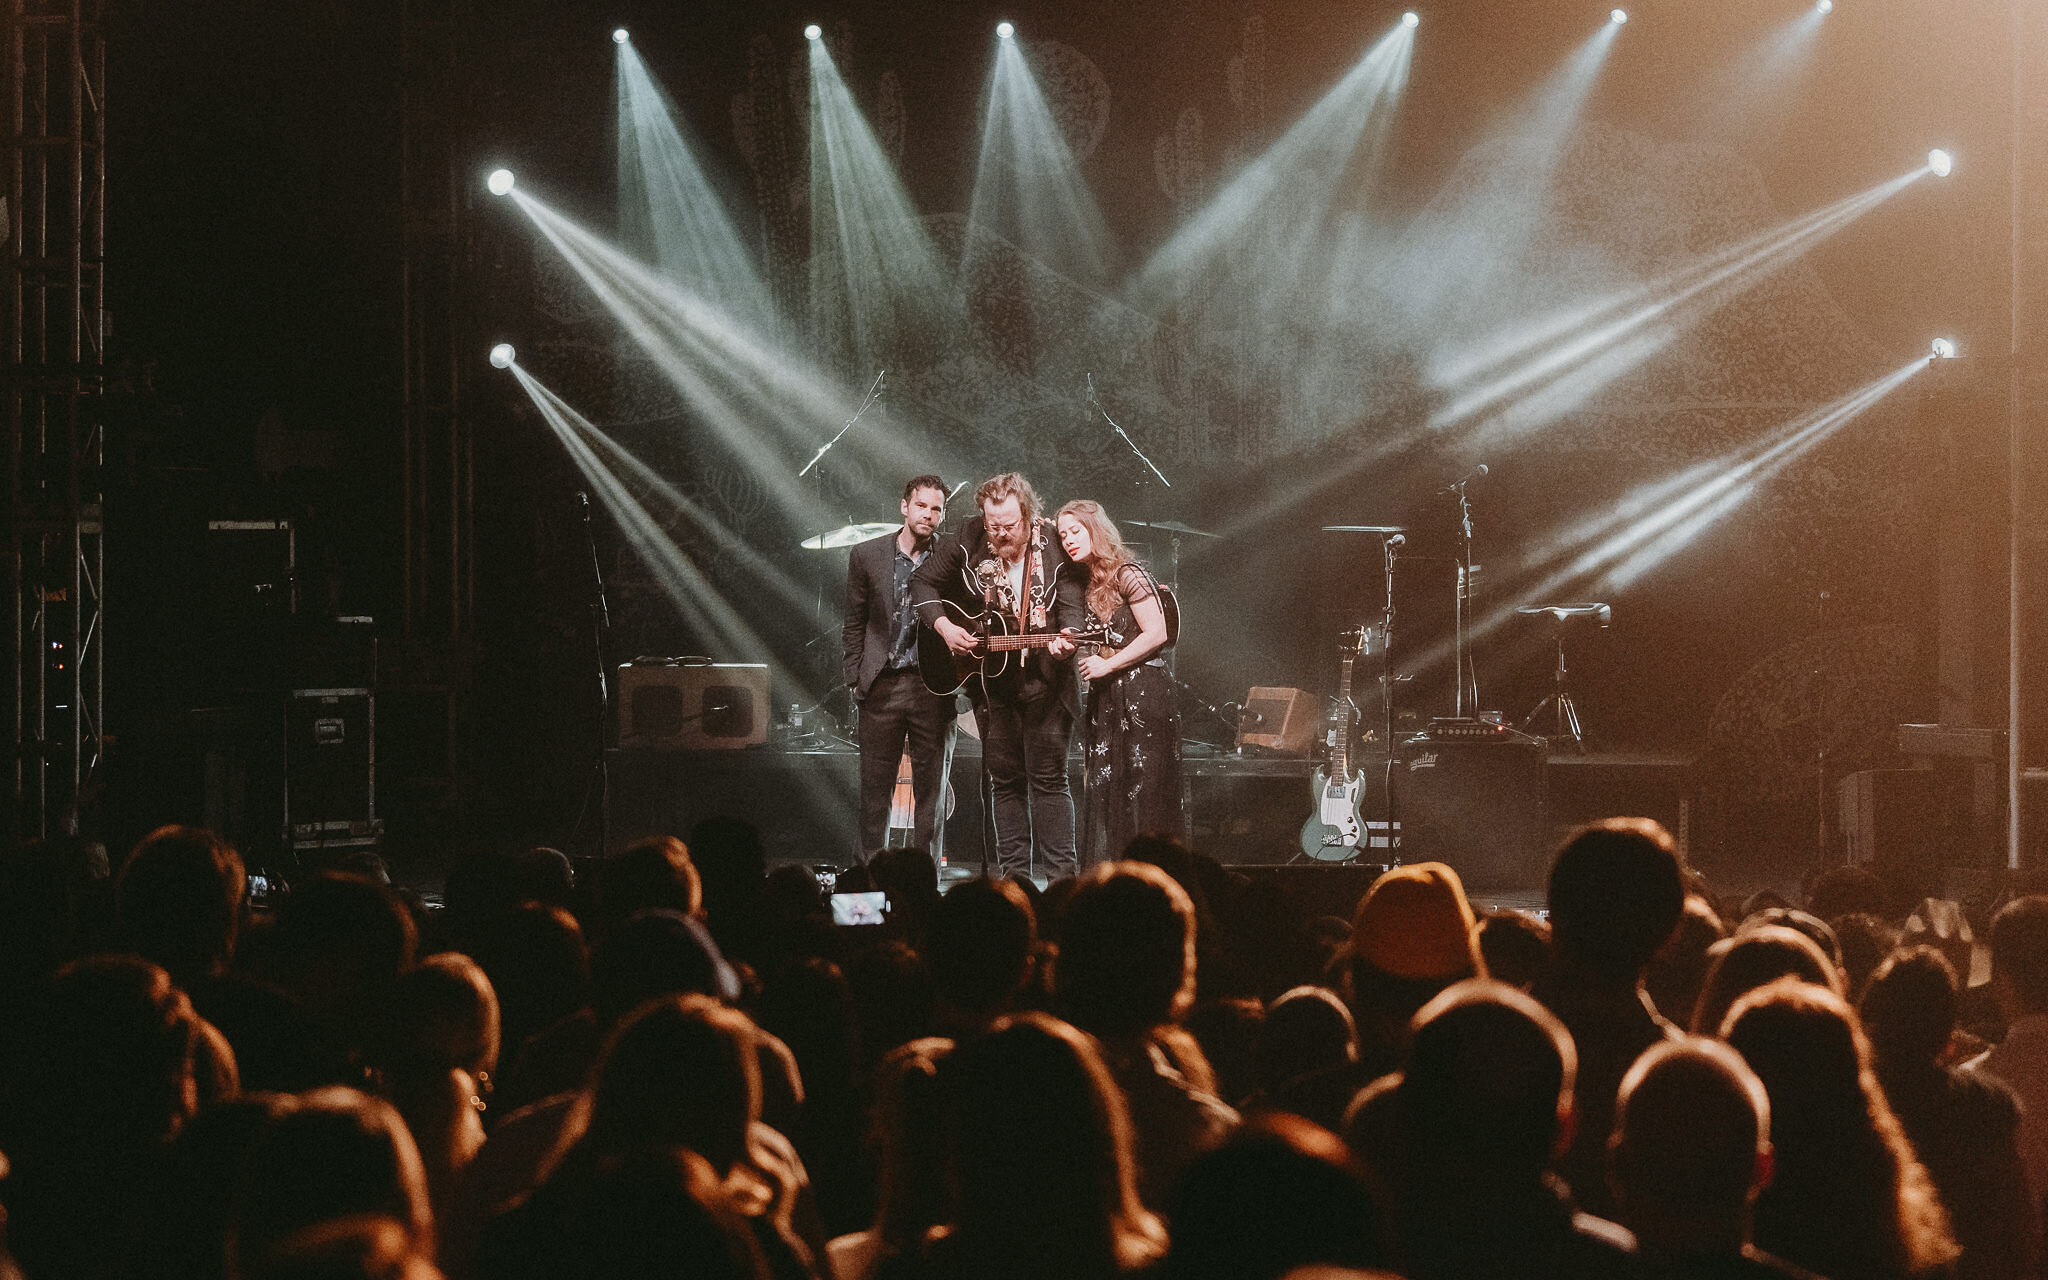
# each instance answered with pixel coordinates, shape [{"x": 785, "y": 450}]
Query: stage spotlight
[
  {"x": 1824, "y": 6},
  {"x": 1944, "y": 349},
  {"x": 502, "y": 356},
  {"x": 1410, "y": 19},
  {"x": 1618, "y": 17},
  {"x": 814, "y": 32},
  {"x": 1004, "y": 31},
  {"x": 1941, "y": 162},
  {"x": 619, "y": 35},
  {"x": 500, "y": 181}
]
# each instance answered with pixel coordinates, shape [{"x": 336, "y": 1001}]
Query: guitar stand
[{"x": 1559, "y": 699}]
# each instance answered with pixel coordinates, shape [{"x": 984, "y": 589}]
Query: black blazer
[
  {"x": 871, "y": 609},
  {"x": 946, "y": 574}
]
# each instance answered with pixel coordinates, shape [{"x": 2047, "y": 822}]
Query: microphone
[
  {"x": 583, "y": 503},
  {"x": 1476, "y": 473},
  {"x": 956, "y": 491},
  {"x": 1091, "y": 388},
  {"x": 1398, "y": 540}
]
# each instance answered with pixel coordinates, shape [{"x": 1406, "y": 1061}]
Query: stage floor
[{"x": 1494, "y": 814}]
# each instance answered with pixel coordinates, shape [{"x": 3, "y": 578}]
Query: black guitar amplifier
[{"x": 1475, "y": 803}]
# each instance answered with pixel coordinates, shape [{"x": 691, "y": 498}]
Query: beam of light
[
  {"x": 1306, "y": 165},
  {"x": 499, "y": 182},
  {"x": 1523, "y": 361},
  {"x": 875, "y": 274},
  {"x": 1616, "y": 548},
  {"x": 1027, "y": 186},
  {"x": 669, "y": 205},
  {"x": 1460, "y": 263},
  {"x": 765, "y": 403},
  {"x": 701, "y": 605},
  {"x": 1757, "y": 88},
  {"x": 1621, "y": 560},
  {"x": 503, "y": 356}
]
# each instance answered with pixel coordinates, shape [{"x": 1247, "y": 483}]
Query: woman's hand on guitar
[
  {"x": 1095, "y": 667},
  {"x": 1062, "y": 644},
  {"x": 960, "y": 640}
]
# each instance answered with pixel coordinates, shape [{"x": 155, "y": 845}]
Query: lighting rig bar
[{"x": 54, "y": 81}]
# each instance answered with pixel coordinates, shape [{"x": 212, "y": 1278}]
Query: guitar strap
[{"x": 1035, "y": 558}]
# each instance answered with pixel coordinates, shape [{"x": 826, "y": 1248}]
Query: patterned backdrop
[{"x": 1262, "y": 381}]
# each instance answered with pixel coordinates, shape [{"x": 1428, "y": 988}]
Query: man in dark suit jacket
[
  {"x": 1009, "y": 557},
  {"x": 896, "y": 710}
]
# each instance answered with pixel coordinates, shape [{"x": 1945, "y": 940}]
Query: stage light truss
[{"x": 55, "y": 326}]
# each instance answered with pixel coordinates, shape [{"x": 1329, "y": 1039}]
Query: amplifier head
[
  {"x": 1279, "y": 720},
  {"x": 711, "y": 707}
]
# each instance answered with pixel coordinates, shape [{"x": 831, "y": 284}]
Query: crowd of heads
[{"x": 671, "y": 1062}]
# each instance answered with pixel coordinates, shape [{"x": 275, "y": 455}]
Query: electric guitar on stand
[{"x": 1335, "y": 831}]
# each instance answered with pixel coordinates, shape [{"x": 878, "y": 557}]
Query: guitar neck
[
  {"x": 1029, "y": 640},
  {"x": 1340, "y": 753}
]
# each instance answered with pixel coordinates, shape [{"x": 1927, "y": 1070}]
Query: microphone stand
[
  {"x": 1464, "y": 594},
  {"x": 1123, "y": 435},
  {"x": 1173, "y": 539},
  {"x": 600, "y": 631},
  {"x": 818, "y": 616},
  {"x": 874, "y": 394},
  {"x": 1392, "y": 546},
  {"x": 1820, "y": 750}
]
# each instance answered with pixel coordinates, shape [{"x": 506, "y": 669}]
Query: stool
[{"x": 1560, "y": 696}]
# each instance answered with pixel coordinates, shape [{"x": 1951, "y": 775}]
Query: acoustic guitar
[{"x": 946, "y": 673}]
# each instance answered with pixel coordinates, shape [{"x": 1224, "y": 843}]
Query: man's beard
[{"x": 1009, "y": 546}]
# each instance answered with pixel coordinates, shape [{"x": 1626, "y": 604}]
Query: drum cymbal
[
  {"x": 1601, "y": 613},
  {"x": 1174, "y": 526},
  {"x": 1364, "y": 528},
  {"x": 846, "y": 535}
]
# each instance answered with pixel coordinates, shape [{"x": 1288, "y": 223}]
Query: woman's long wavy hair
[
  {"x": 1110, "y": 556},
  {"x": 1042, "y": 1156},
  {"x": 1849, "y": 1197}
]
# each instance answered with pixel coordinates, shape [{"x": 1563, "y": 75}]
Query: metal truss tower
[{"x": 55, "y": 223}]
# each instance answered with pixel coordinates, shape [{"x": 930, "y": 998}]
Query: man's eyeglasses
[{"x": 1011, "y": 527}]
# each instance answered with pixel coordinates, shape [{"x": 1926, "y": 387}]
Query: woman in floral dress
[{"x": 1131, "y": 728}]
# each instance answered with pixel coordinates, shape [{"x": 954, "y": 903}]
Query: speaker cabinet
[
  {"x": 1280, "y": 721},
  {"x": 709, "y": 707},
  {"x": 1477, "y": 806},
  {"x": 330, "y": 758}
]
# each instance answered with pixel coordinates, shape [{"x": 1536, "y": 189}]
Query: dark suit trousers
[
  {"x": 1024, "y": 747},
  {"x": 900, "y": 714}
]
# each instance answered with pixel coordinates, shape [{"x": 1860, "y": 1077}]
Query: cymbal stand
[{"x": 818, "y": 616}]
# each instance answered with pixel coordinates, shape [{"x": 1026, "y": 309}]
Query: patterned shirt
[{"x": 903, "y": 653}]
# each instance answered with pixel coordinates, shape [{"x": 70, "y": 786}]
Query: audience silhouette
[{"x": 675, "y": 1064}]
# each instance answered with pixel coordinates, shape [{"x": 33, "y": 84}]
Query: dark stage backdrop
[{"x": 1802, "y": 620}]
